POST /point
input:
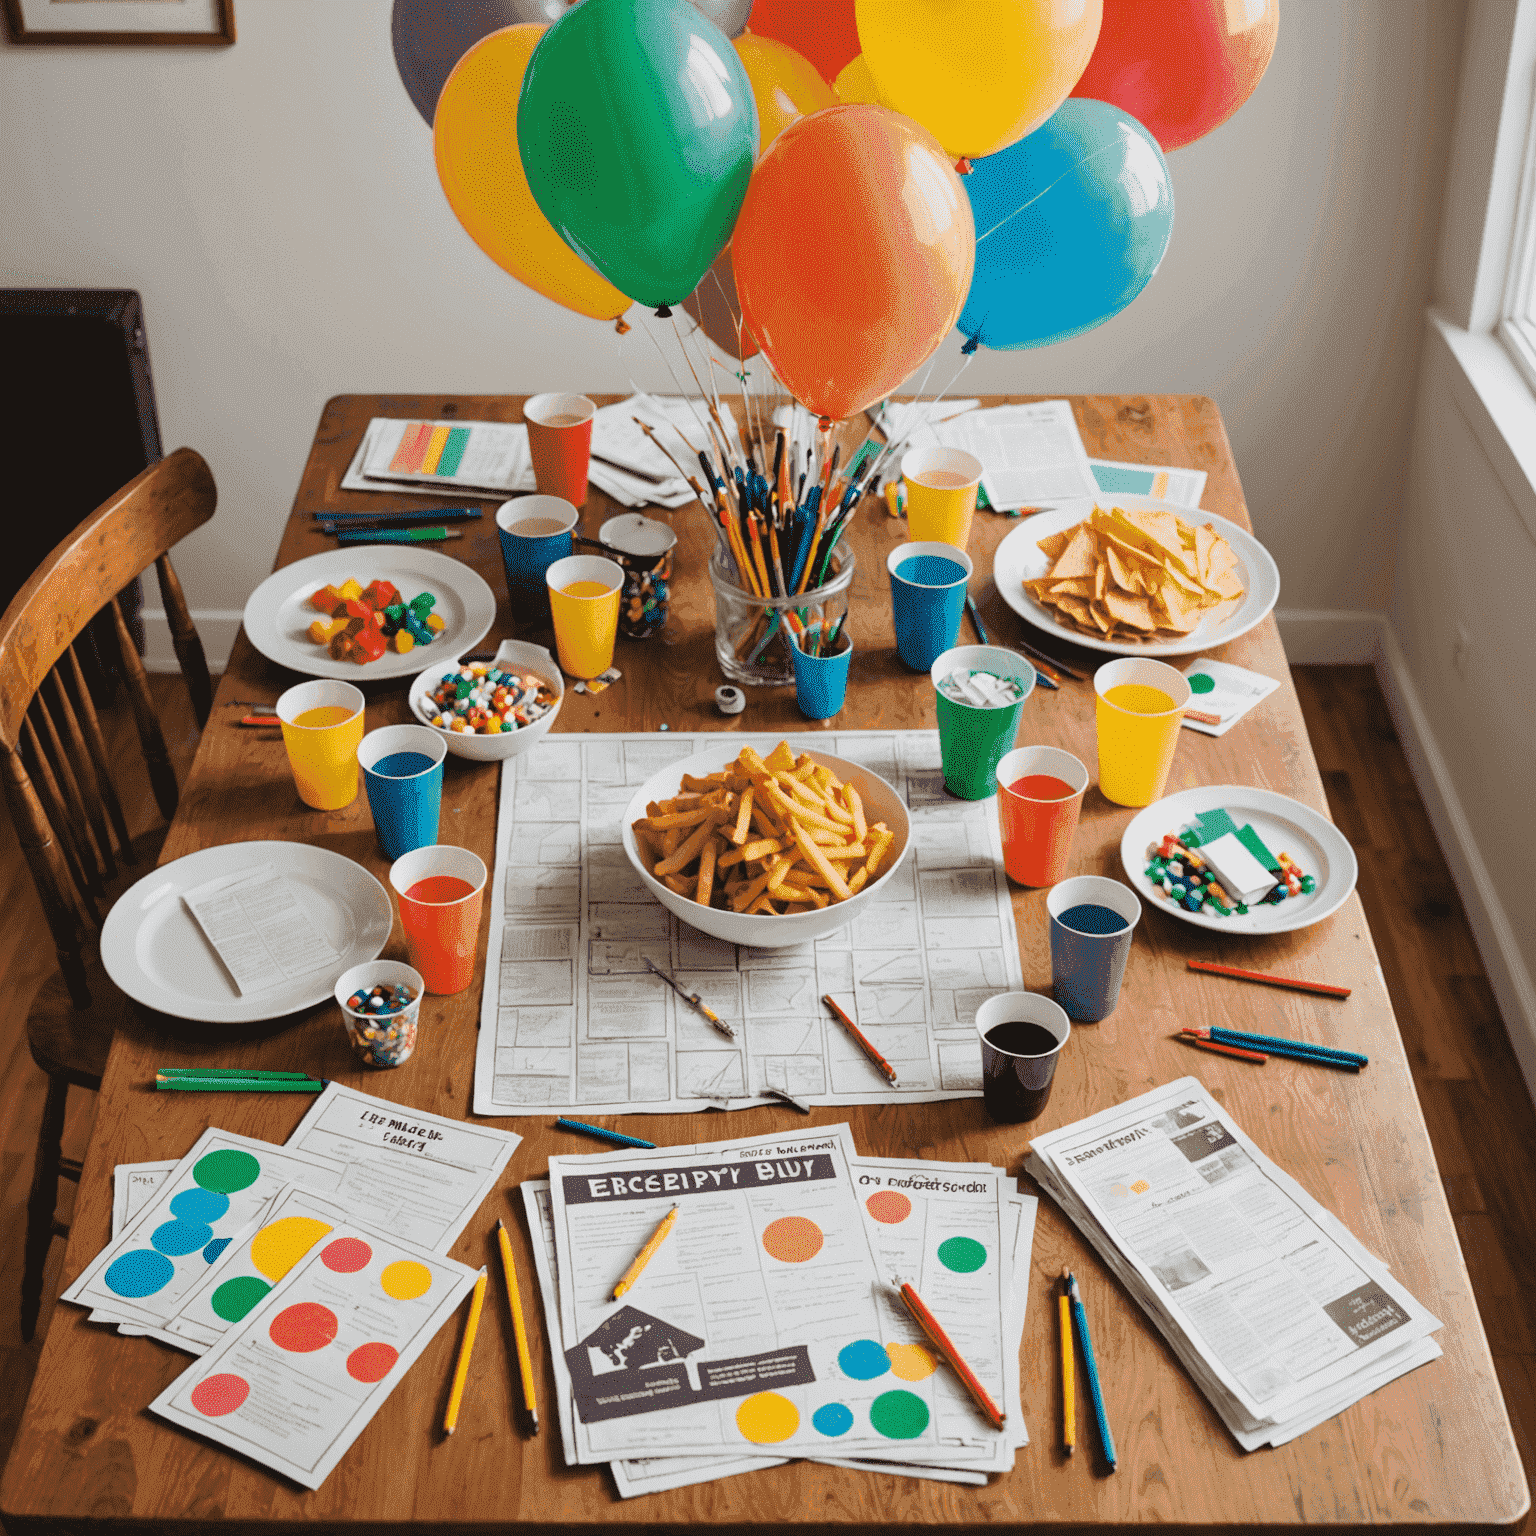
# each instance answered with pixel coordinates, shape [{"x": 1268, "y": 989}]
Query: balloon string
[
  {"x": 677, "y": 383},
  {"x": 890, "y": 448},
  {"x": 738, "y": 322},
  {"x": 1103, "y": 149},
  {"x": 712, "y": 402}
]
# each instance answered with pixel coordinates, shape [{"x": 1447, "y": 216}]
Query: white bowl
[
  {"x": 759, "y": 930},
  {"x": 510, "y": 655}
]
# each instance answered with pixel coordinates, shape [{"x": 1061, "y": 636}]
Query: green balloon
[{"x": 638, "y": 132}]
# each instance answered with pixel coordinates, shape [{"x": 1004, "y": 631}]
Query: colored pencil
[
  {"x": 1106, "y": 1440},
  {"x": 400, "y": 536},
  {"x": 863, "y": 1041},
  {"x": 263, "y": 720},
  {"x": 242, "y": 1072},
  {"x": 1046, "y": 673},
  {"x": 1068, "y": 1383},
  {"x": 970, "y": 608},
  {"x": 1278, "y": 1043},
  {"x": 709, "y": 1013},
  {"x": 1270, "y": 981},
  {"x": 942, "y": 1342},
  {"x": 618, "y": 1138},
  {"x": 519, "y": 1328},
  {"x": 466, "y": 1349},
  {"x": 238, "y": 1085},
  {"x": 1221, "y": 1050},
  {"x": 1202, "y": 716},
  {"x": 401, "y": 518},
  {"x": 1038, "y": 655},
  {"x": 647, "y": 1253}
]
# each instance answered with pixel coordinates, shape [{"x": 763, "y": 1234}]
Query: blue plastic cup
[
  {"x": 821, "y": 681},
  {"x": 403, "y": 772},
  {"x": 535, "y": 531},
  {"x": 928, "y": 583},
  {"x": 1088, "y": 954}
]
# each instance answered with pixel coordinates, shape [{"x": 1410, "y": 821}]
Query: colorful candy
[
  {"x": 381, "y": 1024},
  {"x": 361, "y": 623},
  {"x": 484, "y": 700},
  {"x": 1179, "y": 874}
]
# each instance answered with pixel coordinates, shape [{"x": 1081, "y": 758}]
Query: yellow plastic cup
[
  {"x": 941, "y": 494},
  {"x": 584, "y": 599},
  {"x": 1140, "y": 707},
  {"x": 322, "y": 726}
]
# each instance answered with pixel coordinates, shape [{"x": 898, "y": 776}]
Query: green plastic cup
[{"x": 974, "y": 736}]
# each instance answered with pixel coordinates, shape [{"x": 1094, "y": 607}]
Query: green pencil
[
  {"x": 256, "y": 1072},
  {"x": 238, "y": 1085}
]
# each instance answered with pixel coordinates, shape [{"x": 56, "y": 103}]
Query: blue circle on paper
[
  {"x": 180, "y": 1237},
  {"x": 863, "y": 1360},
  {"x": 199, "y": 1205},
  {"x": 832, "y": 1419},
  {"x": 215, "y": 1248},
  {"x": 139, "y": 1272}
]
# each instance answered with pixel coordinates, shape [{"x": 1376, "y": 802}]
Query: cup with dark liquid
[
  {"x": 440, "y": 890},
  {"x": 1022, "y": 1035},
  {"x": 941, "y": 488},
  {"x": 560, "y": 443},
  {"x": 1092, "y": 920},
  {"x": 535, "y": 531},
  {"x": 1039, "y": 796},
  {"x": 403, "y": 774}
]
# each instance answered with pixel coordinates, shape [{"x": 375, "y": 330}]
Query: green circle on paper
[
  {"x": 236, "y": 1297},
  {"x": 964, "y": 1255},
  {"x": 1201, "y": 682},
  {"x": 899, "y": 1415},
  {"x": 226, "y": 1171}
]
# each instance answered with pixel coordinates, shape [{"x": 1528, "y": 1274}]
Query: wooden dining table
[{"x": 1432, "y": 1449}]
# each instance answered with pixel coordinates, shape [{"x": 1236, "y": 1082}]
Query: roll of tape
[{"x": 730, "y": 701}]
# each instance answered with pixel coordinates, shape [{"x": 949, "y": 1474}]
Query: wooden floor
[{"x": 1480, "y": 1116}]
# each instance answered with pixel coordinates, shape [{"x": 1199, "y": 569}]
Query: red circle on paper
[
  {"x": 792, "y": 1239},
  {"x": 220, "y": 1394},
  {"x": 371, "y": 1362},
  {"x": 889, "y": 1206},
  {"x": 303, "y": 1328},
  {"x": 346, "y": 1255}
]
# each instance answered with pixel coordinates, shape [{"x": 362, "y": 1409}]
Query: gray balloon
[
  {"x": 431, "y": 36},
  {"x": 729, "y": 15}
]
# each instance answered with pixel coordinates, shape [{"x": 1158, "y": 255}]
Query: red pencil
[
  {"x": 865, "y": 1044},
  {"x": 1268, "y": 980},
  {"x": 940, "y": 1341},
  {"x": 1190, "y": 1038}
]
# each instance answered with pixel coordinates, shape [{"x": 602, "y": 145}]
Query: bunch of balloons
[{"x": 836, "y": 185}]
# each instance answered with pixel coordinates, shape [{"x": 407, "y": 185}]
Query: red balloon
[
  {"x": 1179, "y": 67},
  {"x": 825, "y": 32}
]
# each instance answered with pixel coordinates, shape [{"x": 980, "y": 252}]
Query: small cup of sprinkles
[{"x": 380, "y": 1002}]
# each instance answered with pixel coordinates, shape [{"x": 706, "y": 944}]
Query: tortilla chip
[
  {"x": 1135, "y": 612},
  {"x": 1077, "y": 559},
  {"x": 1052, "y": 544},
  {"x": 1078, "y": 586}
]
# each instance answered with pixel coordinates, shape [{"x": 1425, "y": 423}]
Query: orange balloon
[
  {"x": 715, "y": 306},
  {"x": 845, "y": 311},
  {"x": 785, "y": 85}
]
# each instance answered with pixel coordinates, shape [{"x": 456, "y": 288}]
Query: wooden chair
[{"x": 59, "y": 787}]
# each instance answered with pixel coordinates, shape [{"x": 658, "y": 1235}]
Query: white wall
[{"x": 276, "y": 204}]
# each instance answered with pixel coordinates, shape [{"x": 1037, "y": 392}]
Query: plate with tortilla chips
[{"x": 1136, "y": 576}]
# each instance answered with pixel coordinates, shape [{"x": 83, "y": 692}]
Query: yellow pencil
[
  {"x": 1068, "y": 1388},
  {"x": 646, "y": 1254},
  {"x": 466, "y": 1349},
  {"x": 519, "y": 1331}
]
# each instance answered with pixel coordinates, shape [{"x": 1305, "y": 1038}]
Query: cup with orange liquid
[
  {"x": 941, "y": 494},
  {"x": 584, "y": 599},
  {"x": 322, "y": 724},
  {"x": 1039, "y": 797},
  {"x": 440, "y": 890},
  {"x": 1140, "y": 706}
]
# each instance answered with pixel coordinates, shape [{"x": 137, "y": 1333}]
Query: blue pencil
[
  {"x": 1281, "y": 1046},
  {"x": 618, "y": 1138},
  {"x": 1080, "y": 1317}
]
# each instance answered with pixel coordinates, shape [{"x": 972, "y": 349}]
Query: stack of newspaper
[
  {"x": 1281, "y": 1316},
  {"x": 766, "y": 1328}
]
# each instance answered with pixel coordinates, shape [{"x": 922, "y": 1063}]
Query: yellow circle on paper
[
  {"x": 276, "y": 1249},
  {"x": 910, "y": 1362},
  {"x": 405, "y": 1280},
  {"x": 766, "y": 1418}
]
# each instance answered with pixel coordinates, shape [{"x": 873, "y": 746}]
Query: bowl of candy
[{"x": 491, "y": 710}]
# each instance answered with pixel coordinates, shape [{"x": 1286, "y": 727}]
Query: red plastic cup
[
  {"x": 560, "y": 440},
  {"x": 1037, "y": 831},
  {"x": 440, "y": 889}
]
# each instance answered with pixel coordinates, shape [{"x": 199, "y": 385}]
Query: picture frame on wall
[{"x": 134, "y": 23}]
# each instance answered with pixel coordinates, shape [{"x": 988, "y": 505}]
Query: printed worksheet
[
  {"x": 258, "y": 929},
  {"x": 222, "y": 1185},
  {"x": 417, "y": 1175},
  {"x": 298, "y": 1380},
  {"x": 572, "y": 1018}
]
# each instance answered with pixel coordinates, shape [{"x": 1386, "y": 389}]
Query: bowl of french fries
[{"x": 766, "y": 851}]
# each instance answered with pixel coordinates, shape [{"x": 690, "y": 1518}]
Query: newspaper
[
  {"x": 632, "y": 468},
  {"x": 572, "y": 1019},
  {"x": 1282, "y": 1317}
]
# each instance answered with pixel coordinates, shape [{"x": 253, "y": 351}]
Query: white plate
[
  {"x": 154, "y": 949},
  {"x": 1017, "y": 560},
  {"x": 1284, "y": 825},
  {"x": 278, "y": 615}
]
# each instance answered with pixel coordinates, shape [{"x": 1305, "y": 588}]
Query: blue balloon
[{"x": 1071, "y": 223}]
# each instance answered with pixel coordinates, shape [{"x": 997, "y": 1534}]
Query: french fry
[
  {"x": 665, "y": 822},
  {"x": 818, "y": 861},
  {"x": 706, "y": 872},
  {"x": 743, "y": 817},
  {"x": 678, "y": 884},
  {"x": 883, "y": 838},
  {"x": 689, "y": 851},
  {"x": 752, "y": 851},
  {"x": 856, "y": 808}
]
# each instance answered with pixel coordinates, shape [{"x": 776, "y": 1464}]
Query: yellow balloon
[
  {"x": 785, "y": 85},
  {"x": 978, "y": 74},
  {"x": 855, "y": 83},
  {"x": 474, "y": 139}
]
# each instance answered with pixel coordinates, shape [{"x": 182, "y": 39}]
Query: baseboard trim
[
  {"x": 216, "y": 628},
  {"x": 1330, "y": 637},
  {"x": 1508, "y": 974}
]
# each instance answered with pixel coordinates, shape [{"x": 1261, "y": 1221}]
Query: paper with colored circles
[
  {"x": 217, "y": 1190},
  {"x": 133, "y": 1187},
  {"x": 300, "y": 1376}
]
